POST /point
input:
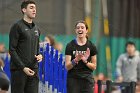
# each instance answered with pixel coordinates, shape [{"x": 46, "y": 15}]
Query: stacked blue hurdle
[{"x": 52, "y": 71}]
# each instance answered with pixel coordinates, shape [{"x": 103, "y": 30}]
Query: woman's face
[
  {"x": 81, "y": 30},
  {"x": 47, "y": 40}
]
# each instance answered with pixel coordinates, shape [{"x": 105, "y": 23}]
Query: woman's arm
[
  {"x": 1, "y": 63},
  {"x": 92, "y": 64},
  {"x": 68, "y": 63}
]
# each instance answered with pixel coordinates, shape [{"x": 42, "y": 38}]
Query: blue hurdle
[{"x": 52, "y": 71}]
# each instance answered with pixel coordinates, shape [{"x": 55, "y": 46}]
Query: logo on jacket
[
  {"x": 26, "y": 29},
  {"x": 36, "y": 33}
]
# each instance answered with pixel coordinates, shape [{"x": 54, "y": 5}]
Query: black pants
[
  {"x": 78, "y": 85},
  {"x": 4, "y": 81},
  {"x": 21, "y": 83}
]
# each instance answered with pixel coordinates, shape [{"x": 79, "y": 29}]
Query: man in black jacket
[{"x": 24, "y": 51}]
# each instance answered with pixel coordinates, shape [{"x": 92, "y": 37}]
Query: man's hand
[
  {"x": 39, "y": 57},
  {"x": 28, "y": 71},
  {"x": 86, "y": 55}
]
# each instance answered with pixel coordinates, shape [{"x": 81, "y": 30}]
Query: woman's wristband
[{"x": 73, "y": 62}]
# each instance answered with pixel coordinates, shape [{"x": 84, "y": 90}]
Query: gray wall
[{"x": 53, "y": 16}]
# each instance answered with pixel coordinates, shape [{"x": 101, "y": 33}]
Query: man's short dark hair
[
  {"x": 26, "y": 2},
  {"x": 130, "y": 43}
]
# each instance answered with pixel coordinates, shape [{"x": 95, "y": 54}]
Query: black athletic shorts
[{"x": 78, "y": 85}]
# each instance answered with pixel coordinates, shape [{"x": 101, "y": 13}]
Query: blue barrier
[
  {"x": 7, "y": 65},
  {"x": 52, "y": 71}
]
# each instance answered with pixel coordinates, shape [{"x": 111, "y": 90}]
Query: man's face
[
  {"x": 30, "y": 11},
  {"x": 130, "y": 49},
  {"x": 81, "y": 30}
]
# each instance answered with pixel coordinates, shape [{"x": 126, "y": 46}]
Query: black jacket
[{"x": 23, "y": 45}]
